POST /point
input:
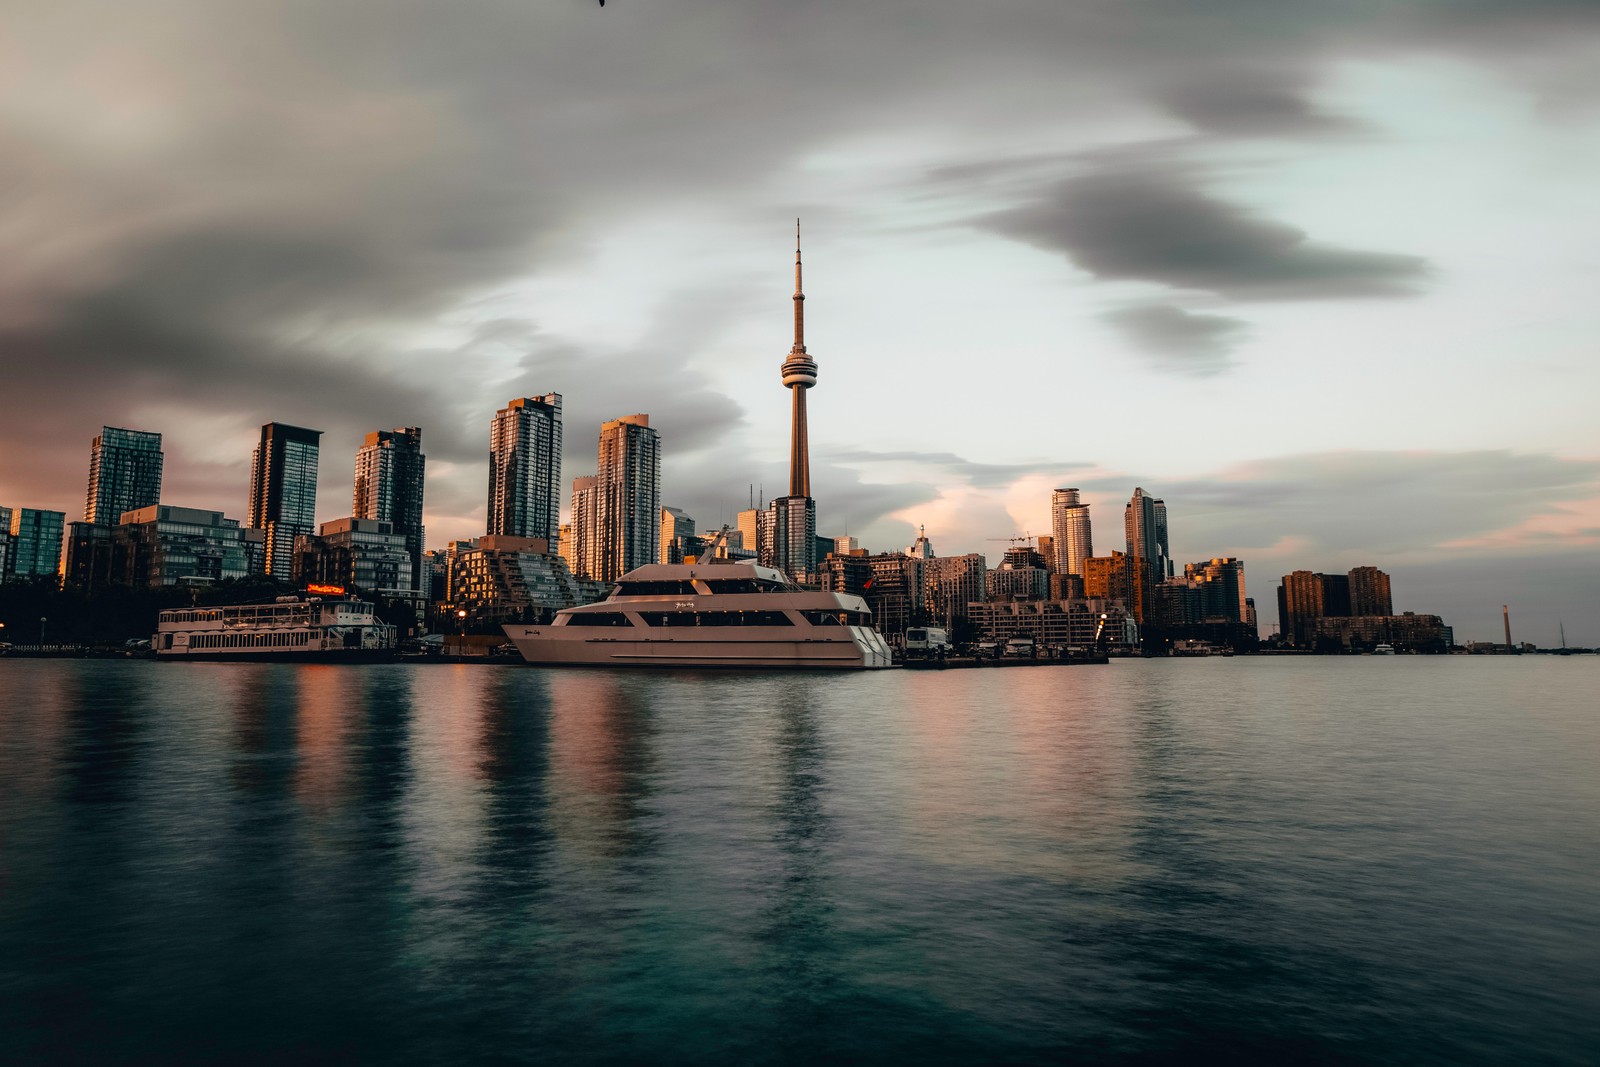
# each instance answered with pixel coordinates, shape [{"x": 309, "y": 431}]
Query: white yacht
[
  {"x": 709, "y": 615},
  {"x": 338, "y": 629}
]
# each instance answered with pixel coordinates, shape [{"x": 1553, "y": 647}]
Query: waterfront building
[
  {"x": 34, "y": 537},
  {"x": 1145, "y": 526},
  {"x": 283, "y": 492},
  {"x": 794, "y": 537},
  {"x": 677, "y": 535},
  {"x": 1369, "y": 592},
  {"x": 950, "y": 583},
  {"x": 1220, "y": 583},
  {"x": 1405, "y": 633},
  {"x": 847, "y": 573},
  {"x": 124, "y": 473},
  {"x": 794, "y": 516},
  {"x": 1067, "y": 587},
  {"x": 755, "y": 534},
  {"x": 627, "y": 497},
  {"x": 584, "y": 554},
  {"x": 1107, "y": 577},
  {"x": 5, "y": 540},
  {"x": 1071, "y": 538},
  {"x": 162, "y": 545},
  {"x": 1299, "y": 606},
  {"x": 1335, "y": 594},
  {"x": 388, "y": 488},
  {"x": 846, "y": 546},
  {"x": 525, "y": 468},
  {"x": 366, "y": 554},
  {"x": 1057, "y": 623},
  {"x": 498, "y": 579},
  {"x": 1023, "y": 574}
]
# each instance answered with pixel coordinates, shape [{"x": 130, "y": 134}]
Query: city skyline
[{"x": 1206, "y": 213}]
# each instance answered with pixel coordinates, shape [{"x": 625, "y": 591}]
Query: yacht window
[
  {"x": 597, "y": 618},
  {"x": 661, "y": 588}
]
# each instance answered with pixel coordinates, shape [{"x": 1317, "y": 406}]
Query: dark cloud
[
  {"x": 233, "y": 213},
  {"x": 1184, "y": 341},
  {"x": 1159, "y": 228},
  {"x": 1250, "y": 101}
]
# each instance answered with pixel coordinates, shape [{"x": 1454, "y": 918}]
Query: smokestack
[{"x": 1505, "y": 614}]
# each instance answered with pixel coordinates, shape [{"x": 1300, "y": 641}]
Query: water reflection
[
  {"x": 797, "y": 923},
  {"x": 601, "y": 759}
]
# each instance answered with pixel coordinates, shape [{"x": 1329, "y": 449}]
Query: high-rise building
[
  {"x": 124, "y": 473},
  {"x": 628, "y": 500},
  {"x": 1106, "y": 577},
  {"x": 584, "y": 554},
  {"x": 677, "y": 535},
  {"x": 283, "y": 491},
  {"x": 1220, "y": 582},
  {"x": 162, "y": 545},
  {"x": 5, "y": 542},
  {"x": 794, "y": 517},
  {"x": 755, "y": 530},
  {"x": 1144, "y": 521},
  {"x": 1369, "y": 592},
  {"x": 846, "y": 546},
  {"x": 365, "y": 554},
  {"x": 35, "y": 548},
  {"x": 525, "y": 468},
  {"x": 389, "y": 481},
  {"x": 1300, "y": 605},
  {"x": 1069, "y": 524}
]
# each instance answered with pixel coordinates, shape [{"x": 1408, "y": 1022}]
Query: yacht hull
[{"x": 547, "y": 647}]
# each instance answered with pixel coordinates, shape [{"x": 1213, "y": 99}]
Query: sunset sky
[{"x": 1320, "y": 274}]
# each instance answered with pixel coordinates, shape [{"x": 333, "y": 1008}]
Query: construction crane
[{"x": 1024, "y": 539}]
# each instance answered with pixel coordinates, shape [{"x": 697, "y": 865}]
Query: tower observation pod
[{"x": 799, "y": 374}]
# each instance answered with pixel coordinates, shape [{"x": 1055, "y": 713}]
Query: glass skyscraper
[
  {"x": 35, "y": 548},
  {"x": 525, "y": 468},
  {"x": 627, "y": 497},
  {"x": 388, "y": 487},
  {"x": 1072, "y": 540},
  {"x": 124, "y": 474},
  {"x": 283, "y": 491}
]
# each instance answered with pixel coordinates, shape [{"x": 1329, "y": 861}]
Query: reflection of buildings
[
  {"x": 283, "y": 491},
  {"x": 124, "y": 474},
  {"x": 388, "y": 488},
  {"x": 525, "y": 468},
  {"x": 600, "y": 756}
]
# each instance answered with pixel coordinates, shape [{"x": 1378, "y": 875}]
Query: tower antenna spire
[{"x": 799, "y": 297}]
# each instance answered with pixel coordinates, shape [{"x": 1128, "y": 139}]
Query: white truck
[{"x": 927, "y": 641}]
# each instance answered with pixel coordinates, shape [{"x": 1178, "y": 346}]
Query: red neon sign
[{"x": 326, "y": 590}]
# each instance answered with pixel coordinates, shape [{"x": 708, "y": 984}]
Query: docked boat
[
  {"x": 737, "y": 615},
  {"x": 335, "y": 629},
  {"x": 1383, "y": 650}
]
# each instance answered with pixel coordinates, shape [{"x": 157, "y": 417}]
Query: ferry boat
[
  {"x": 337, "y": 629},
  {"x": 711, "y": 615}
]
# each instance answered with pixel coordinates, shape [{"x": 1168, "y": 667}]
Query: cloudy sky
[{"x": 1320, "y": 273}]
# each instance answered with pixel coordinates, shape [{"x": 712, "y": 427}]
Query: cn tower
[{"x": 799, "y": 374}]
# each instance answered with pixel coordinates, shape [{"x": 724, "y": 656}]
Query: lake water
[{"x": 1262, "y": 859}]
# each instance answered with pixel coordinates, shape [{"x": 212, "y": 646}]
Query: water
[{"x": 1309, "y": 860}]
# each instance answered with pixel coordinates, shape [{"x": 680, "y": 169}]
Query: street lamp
[
  {"x": 461, "y": 644},
  {"x": 42, "y": 621}
]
